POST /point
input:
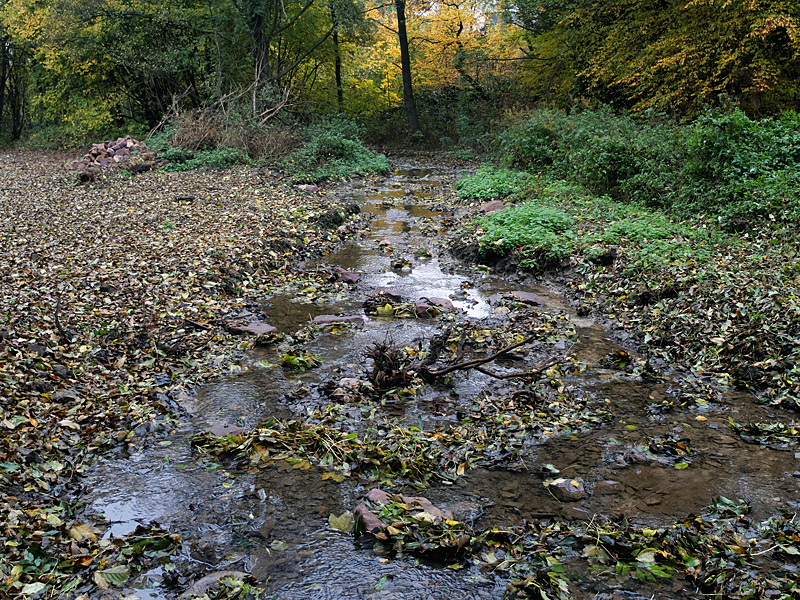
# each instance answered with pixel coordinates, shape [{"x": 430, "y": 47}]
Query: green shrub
[
  {"x": 541, "y": 233},
  {"x": 607, "y": 153},
  {"x": 723, "y": 165},
  {"x": 739, "y": 169},
  {"x": 333, "y": 151},
  {"x": 490, "y": 182},
  {"x": 219, "y": 158}
]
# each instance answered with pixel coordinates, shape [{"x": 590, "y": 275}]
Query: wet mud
[{"x": 273, "y": 523}]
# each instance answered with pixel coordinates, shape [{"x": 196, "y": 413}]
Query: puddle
[{"x": 273, "y": 523}]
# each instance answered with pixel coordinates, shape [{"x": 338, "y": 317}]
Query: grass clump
[
  {"x": 489, "y": 183},
  {"x": 333, "y": 151}
]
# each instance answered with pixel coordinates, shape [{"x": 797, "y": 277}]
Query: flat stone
[
  {"x": 528, "y": 298},
  {"x": 567, "y": 490},
  {"x": 36, "y": 349},
  {"x": 200, "y": 587},
  {"x": 369, "y": 522},
  {"x": 442, "y": 302},
  {"x": 608, "y": 487},
  {"x": 492, "y": 206},
  {"x": 66, "y": 395},
  {"x": 576, "y": 513},
  {"x": 307, "y": 187},
  {"x": 387, "y": 294},
  {"x": 328, "y": 319},
  {"x": 423, "y": 308},
  {"x": 345, "y": 276},
  {"x": 220, "y": 430},
  {"x": 376, "y": 495},
  {"x": 257, "y": 328}
]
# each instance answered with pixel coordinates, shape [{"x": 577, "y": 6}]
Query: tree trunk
[
  {"x": 337, "y": 67},
  {"x": 405, "y": 64}
]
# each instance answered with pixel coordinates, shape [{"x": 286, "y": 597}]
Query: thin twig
[{"x": 64, "y": 334}]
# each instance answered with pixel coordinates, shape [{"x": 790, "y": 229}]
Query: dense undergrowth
[
  {"x": 723, "y": 166},
  {"x": 686, "y": 236},
  {"x": 326, "y": 150}
]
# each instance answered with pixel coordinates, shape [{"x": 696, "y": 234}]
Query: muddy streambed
[{"x": 273, "y": 523}]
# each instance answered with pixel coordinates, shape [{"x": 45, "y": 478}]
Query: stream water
[{"x": 273, "y": 524}]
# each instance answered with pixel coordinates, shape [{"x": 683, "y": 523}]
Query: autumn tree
[{"x": 674, "y": 55}]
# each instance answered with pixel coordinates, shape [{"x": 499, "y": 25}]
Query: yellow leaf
[
  {"x": 100, "y": 581},
  {"x": 387, "y": 310},
  {"x": 83, "y": 531}
]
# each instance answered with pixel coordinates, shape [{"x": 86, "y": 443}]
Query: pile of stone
[{"x": 107, "y": 153}]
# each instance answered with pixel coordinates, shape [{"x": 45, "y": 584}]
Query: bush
[
  {"x": 541, "y": 233},
  {"x": 490, "y": 182},
  {"x": 219, "y": 158},
  {"x": 333, "y": 151},
  {"x": 738, "y": 168},
  {"x": 607, "y": 153},
  {"x": 723, "y": 165}
]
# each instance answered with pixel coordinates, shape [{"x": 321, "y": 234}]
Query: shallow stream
[{"x": 273, "y": 523}]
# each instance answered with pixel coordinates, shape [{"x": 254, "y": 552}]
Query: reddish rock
[
  {"x": 492, "y": 206},
  {"x": 528, "y": 298},
  {"x": 386, "y": 294},
  {"x": 567, "y": 490},
  {"x": 369, "y": 522},
  {"x": 345, "y": 276},
  {"x": 423, "y": 309},
  {"x": 442, "y": 303},
  {"x": 413, "y": 503},
  {"x": 220, "y": 430},
  {"x": 257, "y": 328}
]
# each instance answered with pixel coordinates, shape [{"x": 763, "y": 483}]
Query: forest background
[{"x": 248, "y": 74}]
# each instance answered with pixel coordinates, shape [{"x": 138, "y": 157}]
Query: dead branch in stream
[{"x": 476, "y": 363}]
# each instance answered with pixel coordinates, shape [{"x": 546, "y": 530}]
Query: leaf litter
[{"x": 114, "y": 306}]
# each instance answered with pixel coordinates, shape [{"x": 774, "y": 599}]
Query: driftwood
[
  {"x": 471, "y": 364},
  {"x": 388, "y": 369}
]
